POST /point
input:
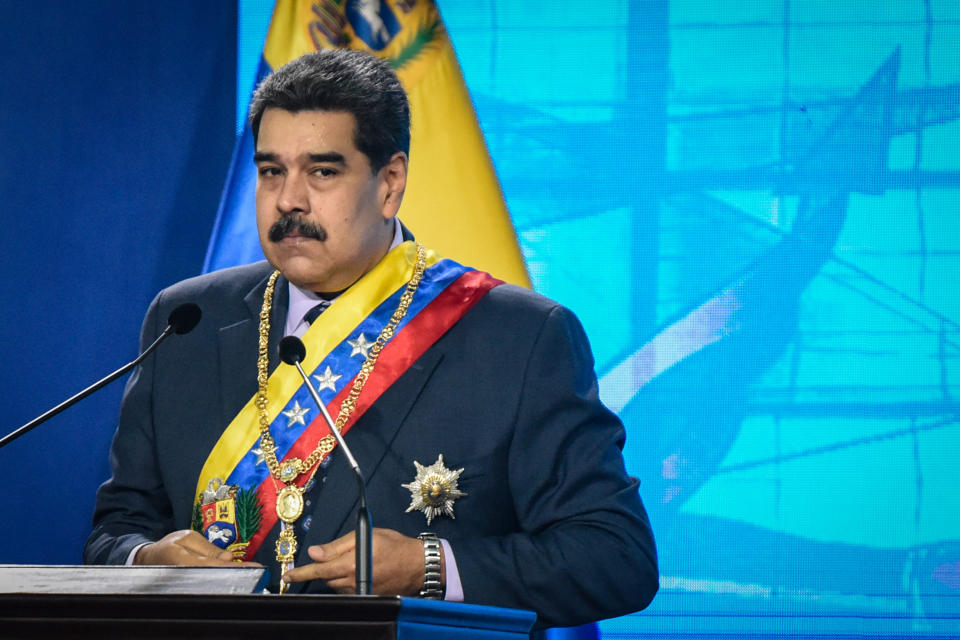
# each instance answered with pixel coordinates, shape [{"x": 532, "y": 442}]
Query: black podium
[
  {"x": 214, "y": 603},
  {"x": 27, "y": 616}
]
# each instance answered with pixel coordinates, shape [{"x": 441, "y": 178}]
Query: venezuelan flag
[{"x": 453, "y": 203}]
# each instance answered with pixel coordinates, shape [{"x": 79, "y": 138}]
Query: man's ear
[{"x": 393, "y": 182}]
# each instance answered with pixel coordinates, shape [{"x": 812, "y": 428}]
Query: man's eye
[
  {"x": 324, "y": 172},
  {"x": 268, "y": 172}
]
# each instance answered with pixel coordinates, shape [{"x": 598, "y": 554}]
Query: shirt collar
[{"x": 301, "y": 300}]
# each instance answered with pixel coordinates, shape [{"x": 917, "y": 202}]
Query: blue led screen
[{"x": 753, "y": 208}]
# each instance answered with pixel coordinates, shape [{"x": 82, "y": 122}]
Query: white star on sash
[
  {"x": 296, "y": 414},
  {"x": 360, "y": 345},
  {"x": 259, "y": 453},
  {"x": 327, "y": 380}
]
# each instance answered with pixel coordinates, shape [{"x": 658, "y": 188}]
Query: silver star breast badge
[{"x": 434, "y": 490}]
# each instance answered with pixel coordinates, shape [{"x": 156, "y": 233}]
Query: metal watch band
[{"x": 432, "y": 587}]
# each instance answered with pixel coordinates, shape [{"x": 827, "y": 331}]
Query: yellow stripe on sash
[{"x": 327, "y": 332}]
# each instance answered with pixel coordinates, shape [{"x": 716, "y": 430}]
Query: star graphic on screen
[
  {"x": 360, "y": 345},
  {"x": 259, "y": 453},
  {"x": 295, "y": 414},
  {"x": 327, "y": 380}
]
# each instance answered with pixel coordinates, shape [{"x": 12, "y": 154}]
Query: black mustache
[{"x": 287, "y": 225}]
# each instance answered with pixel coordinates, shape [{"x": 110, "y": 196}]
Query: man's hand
[
  {"x": 186, "y": 547},
  {"x": 398, "y": 564}
]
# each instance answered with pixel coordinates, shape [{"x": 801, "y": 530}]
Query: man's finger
[
  {"x": 195, "y": 543},
  {"x": 329, "y": 572},
  {"x": 204, "y": 558},
  {"x": 343, "y": 585},
  {"x": 222, "y": 559},
  {"x": 317, "y": 571},
  {"x": 177, "y": 555},
  {"x": 198, "y": 544},
  {"x": 333, "y": 549}
]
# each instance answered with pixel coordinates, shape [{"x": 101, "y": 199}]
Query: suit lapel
[
  {"x": 238, "y": 348},
  {"x": 278, "y": 319},
  {"x": 406, "y": 233}
]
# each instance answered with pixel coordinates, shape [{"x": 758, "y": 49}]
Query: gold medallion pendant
[{"x": 289, "y": 504}]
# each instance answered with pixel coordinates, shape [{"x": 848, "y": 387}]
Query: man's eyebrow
[{"x": 329, "y": 156}]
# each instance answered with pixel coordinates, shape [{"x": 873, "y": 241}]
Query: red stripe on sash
[{"x": 407, "y": 345}]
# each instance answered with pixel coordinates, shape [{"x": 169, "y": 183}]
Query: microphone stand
[
  {"x": 66, "y": 404},
  {"x": 364, "y": 546}
]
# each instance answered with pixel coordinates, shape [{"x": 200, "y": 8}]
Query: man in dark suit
[{"x": 529, "y": 504}]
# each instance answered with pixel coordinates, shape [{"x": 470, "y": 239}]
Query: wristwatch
[{"x": 432, "y": 586}]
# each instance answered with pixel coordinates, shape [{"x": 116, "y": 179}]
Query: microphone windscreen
[
  {"x": 292, "y": 350},
  {"x": 184, "y": 318}
]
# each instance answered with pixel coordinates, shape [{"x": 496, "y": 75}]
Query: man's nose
[{"x": 293, "y": 195}]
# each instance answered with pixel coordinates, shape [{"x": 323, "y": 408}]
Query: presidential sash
[{"x": 235, "y": 507}]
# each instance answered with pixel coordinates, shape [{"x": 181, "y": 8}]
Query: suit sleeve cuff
[
  {"x": 454, "y": 590},
  {"x": 133, "y": 553}
]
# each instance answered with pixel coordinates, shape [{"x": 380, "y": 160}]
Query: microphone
[
  {"x": 293, "y": 352},
  {"x": 181, "y": 320}
]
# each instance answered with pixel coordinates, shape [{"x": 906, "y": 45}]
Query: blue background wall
[
  {"x": 116, "y": 122},
  {"x": 752, "y": 206}
]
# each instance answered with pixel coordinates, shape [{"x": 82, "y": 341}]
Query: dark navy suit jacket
[{"x": 551, "y": 521}]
